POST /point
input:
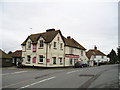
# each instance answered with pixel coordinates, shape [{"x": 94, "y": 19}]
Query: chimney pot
[
  {"x": 48, "y": 30},
  {"x": 95, "y": 47},
  {"x": 68, "y": 37}
]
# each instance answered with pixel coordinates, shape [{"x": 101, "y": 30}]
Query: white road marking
[
  {"x": 61, "y": 70},
  {"x": 14, "y": 73},
  {"x": 73, "y": 71},
  {"x": 36, "y": 82}
]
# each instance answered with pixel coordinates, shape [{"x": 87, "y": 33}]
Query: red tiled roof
[
  {"x": 4, "y": 55},
  {"x": 49, "y": 36},
  {"x": 94, "y": 52},
  {"x": 73, "y": 43},
  {"x": 17, "y": 53}
]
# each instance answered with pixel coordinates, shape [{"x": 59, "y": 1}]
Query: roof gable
[
  {"x": 94, "y": 52},
  {"x": 3, "y": 54},
  {"x": 17, "y": 53},
  {"x": 47, "y": 36}
]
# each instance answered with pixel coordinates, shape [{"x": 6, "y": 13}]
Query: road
[{"x": 105, "y": 76}]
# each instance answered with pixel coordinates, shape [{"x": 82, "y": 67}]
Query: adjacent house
[
  {"x": 74, "y": 52},
  {"x": 96, "y": 57},
  {"x": 17, "y": 57},
  {"x": 5, "y": 59},
  {"x": 51, "y": 49}
]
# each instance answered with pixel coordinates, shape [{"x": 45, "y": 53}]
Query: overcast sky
[{"x": 87, "y": 21}]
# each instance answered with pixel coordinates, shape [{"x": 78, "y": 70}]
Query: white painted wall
[
  {"x": 76, "y": 51},
  {"x": 52, "y": 52},
  {"x": 100, "y": 59}
]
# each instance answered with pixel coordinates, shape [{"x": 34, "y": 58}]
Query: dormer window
[
  {"x": 41, "y": 44},
  {"x": 29, "y": 45}
]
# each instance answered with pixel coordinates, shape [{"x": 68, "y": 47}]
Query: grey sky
[{"x": 90, "y": 23}]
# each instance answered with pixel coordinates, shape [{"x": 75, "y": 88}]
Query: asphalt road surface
[{"x": 105, "y": 76}]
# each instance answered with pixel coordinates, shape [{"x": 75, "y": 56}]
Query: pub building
[{"x": 52, "y": 49}]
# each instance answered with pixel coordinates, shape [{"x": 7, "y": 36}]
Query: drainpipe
[
  {"x": 64, "y": 55},
  {"x": 46, "y": 52}
]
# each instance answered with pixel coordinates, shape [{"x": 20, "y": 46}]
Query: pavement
[{"x": 106, "y": 76}]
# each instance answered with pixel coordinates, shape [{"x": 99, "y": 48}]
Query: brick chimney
[
  {"x": 68, "y": 37},
  {"x": 48, "y": 30},
  {"x": 95, "y": 47}
]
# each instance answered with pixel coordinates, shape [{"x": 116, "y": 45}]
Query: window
[
  {"x": 40, "y": 58},
  {"x": 41, "y": 44},
  {"x": 71, "y": 50},
  {"x": 34, "y": 48},
  {"x": 94, "y": 56},
  {"x": 60, "y": 60},
  {"x": 81, "y": 53},
  {"x": 61, "y": 46},
  {"x": 54, "y": 44},
  {"x": 58, "y": 38},
  {"x": 70, "y": 60},
  {"x": 29, "y": 44},
  {"x": 54, "y": 60},
  {"x": 28, "y": 58},
  {"x": 34, "y": 60},
  {"x": 102, "y": 57}
]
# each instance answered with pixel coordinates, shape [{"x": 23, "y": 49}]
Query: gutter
[{"x": 46, "y": 53}]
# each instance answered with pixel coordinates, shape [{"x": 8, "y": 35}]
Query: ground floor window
[
  {"x": 28, "y": 58},
  {"x": 71, "y": 60},
  {"x": 41, "y": 58},
  {"x": 60, "y": 60},
  {"x": 34, "y": 60},
  {"x": 54, "y": 60},
  {"x": 75, "y": 60}
]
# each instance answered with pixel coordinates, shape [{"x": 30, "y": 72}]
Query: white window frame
[
  {"x": 41, "y": 57},
  {"x": 71, "y": 50},
  {"x": 61, "y": 60},
  {"x": 81, "y": 53},
  {"x": 29, "y": 45},
  {"x": 71, "y": 61},
  {"x": 41, "y": 43},
  {"x": 54, "y": 58},
  {"x": 28, "y": 59},
  {"x": 55, "y": 45}
]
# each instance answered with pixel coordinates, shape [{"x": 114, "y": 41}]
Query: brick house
[
  {"x": 17, "y": 57},
  {"x": 5, "y": 59}
]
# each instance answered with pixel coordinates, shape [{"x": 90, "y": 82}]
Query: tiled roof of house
[
  {"x": 49, "y": 36},
  {"x": 17, "y": 53},
  {"x": 4, "y": 55},
  {"x": 73, "y": 43},
  {"x": 91, "y": 52}
]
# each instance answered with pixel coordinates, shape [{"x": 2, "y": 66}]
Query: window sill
[
  {"x": 61, "y": 63},
  {"x": 34, "y": 51},
  {"x": 28, "y": 48},
  {"x": 40, "y": 48},
  {"x": 40, "y": 62},
  {"x": 27, "y": 62},
  {"x": 54, "y": 48}
]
